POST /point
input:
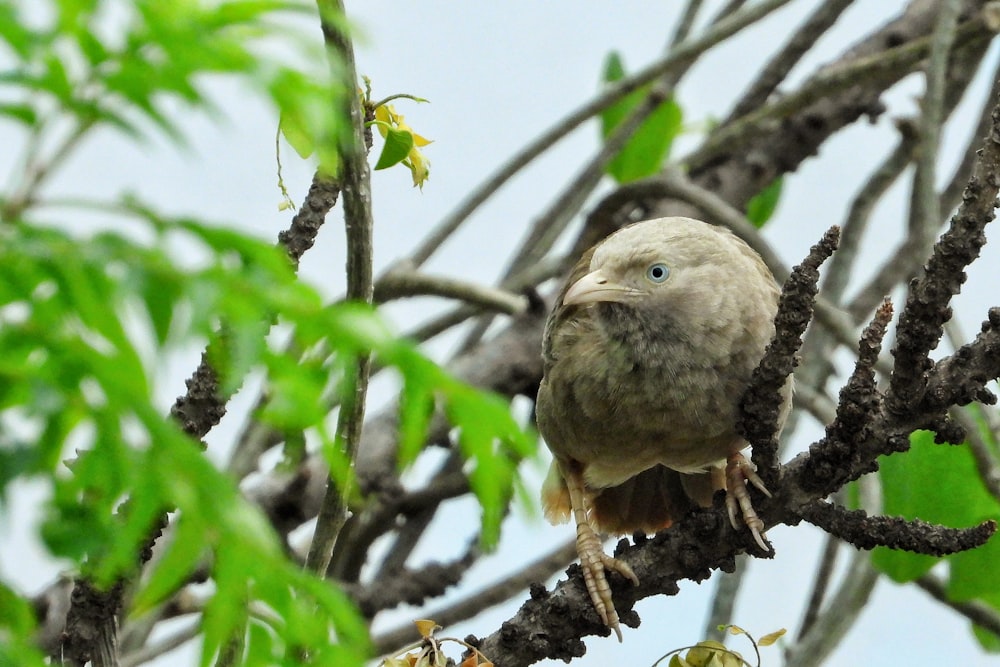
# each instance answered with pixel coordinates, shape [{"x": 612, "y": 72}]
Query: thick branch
[
  {"x": 759, "y": 411},
  {"x": 868, "y": 532},
  {"x": 921, "y": 323}
]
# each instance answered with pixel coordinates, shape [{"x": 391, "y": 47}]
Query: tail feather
[
  {"x": 555, "y": 496},
  {"x": 648, "y": 502}
]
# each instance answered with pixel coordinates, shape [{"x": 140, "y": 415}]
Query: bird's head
[{"x": 651, "y": 262}]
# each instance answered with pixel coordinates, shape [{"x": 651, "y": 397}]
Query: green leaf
[
  {"x": 15, "y": 615},
  {"x": 260, "y": 648},
  {"x": 611, "y": 117},
  {"x": 987, "y": 639},
  {"x": 15, "y": 32},
  {"x": 186, "y": 548},
  {"x": 398, "y": 144},
  {"x": 297, "y": 394},
  {"x": 161, "y": 293},
  {"x": 16, "y": 461},
  {"x": 488, "y": 436},
  {"x": 311, "y": 115},
  {"x": 56, "y": 80},
  {"x": 939, "y": 484},
  {"x": 17, "y": 625},
  {"x": 73, "y": 531},
  {"x": 416, "y": 407},
  {"x": 975, "y": 574},
  {"x": 296, "y": 135},
  {"x": 761, "y": 206},
  {"x": 643, "y": 154},
  {"x": 355, "y": 326},
  {"x": 227, "y": 611},
  {"x": 24, "y": 113},
  {"x": 92, "y": 47}
]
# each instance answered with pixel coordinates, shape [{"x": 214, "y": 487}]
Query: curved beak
[{"x": 594, "y": 287}]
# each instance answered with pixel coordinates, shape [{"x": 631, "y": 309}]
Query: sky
[{"x": 496, "y": 75}]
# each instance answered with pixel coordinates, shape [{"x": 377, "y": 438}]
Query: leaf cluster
[{"x": 87, "y": 323}]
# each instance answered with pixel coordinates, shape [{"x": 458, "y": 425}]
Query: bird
[{"x": 647, "y": 352}]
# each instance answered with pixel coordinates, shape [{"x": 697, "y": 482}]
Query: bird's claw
[
  {"x": 739, "y": 471},
  {"x": 595, "y": 563}
]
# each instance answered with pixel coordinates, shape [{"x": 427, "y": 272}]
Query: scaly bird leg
[
  {"x": 733, "y": 479},
  {"x": 593, "y": 560}
]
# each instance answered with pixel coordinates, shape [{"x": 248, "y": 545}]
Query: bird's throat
[{"x": 648, "y": 339}]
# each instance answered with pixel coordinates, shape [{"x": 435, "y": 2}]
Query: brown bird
[{"x": 647, "y": 353}]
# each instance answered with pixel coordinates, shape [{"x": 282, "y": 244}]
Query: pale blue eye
[{"x": 658, "y": 272}]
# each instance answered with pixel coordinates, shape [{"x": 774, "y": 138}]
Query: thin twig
[
  {"x": 924, "y": 214},
  {"x": 399, "y": 284},
  {"x": 257, "y": 437},
  {"x": 729, "y": 8},
  {"x": 549, "y": 226},
  {"x": 413, "y": 586},
  {"x": 952, "y": 193},
  {"x": 840, "y": 614},
  {"x": 162, "y": 647},
  {"x": 817, "y": 368},
  {"x": 922, "y": 319},
  {"x": 760, "y": 419},
  {"x": 816, "y": 403},
  {"x": 448, "y": 480},
  {"x": 943, "y": 94},
  {"x": 784, "y": 60},
  {"x": 883, "y": 66},
  {"x": 686, "y": 21},
  {"x": 36, "y": 171},
  {"x": 859, "y": 213},
  {"x": 902, "y": 262},
  {"x": 724, "y": 600},
  {"x": 820, "y": 585},
  {"x": 530, "y": 277},
  {"x": 356, "y": 189},
  {"x": 979, "y": 613}
]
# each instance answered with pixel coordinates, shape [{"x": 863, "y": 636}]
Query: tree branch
[
  {"x": 477, "y": 602},
  {"x": 759, "y": 411},
  {"x": 778, "y": 67},
  {"x": 981, "y": 614},
  {"x": 922, "y": 320},
  {"x": 356, "y": 186},
  {"x": 400, "y": 283}
]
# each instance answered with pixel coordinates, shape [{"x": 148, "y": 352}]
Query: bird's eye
[{"x": 658, "y": 272}]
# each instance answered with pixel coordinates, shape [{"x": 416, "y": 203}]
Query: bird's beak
[{"x": 594, "y": 287}]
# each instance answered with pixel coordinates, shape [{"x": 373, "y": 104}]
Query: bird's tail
[{"x": 650, "y": 501}]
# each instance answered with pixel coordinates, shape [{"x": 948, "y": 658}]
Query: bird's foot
[
  {"x": 595, "y": 563},
  {"x": 738, "y": 472}
]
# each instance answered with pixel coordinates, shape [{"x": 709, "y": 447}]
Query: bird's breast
[{"x": 622, "y": 411}]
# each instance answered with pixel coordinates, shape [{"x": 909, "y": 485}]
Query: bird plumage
[{"x": 649, "y": 348}]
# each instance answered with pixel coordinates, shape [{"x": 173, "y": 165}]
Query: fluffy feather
[{"x": 647, "y": 353}]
